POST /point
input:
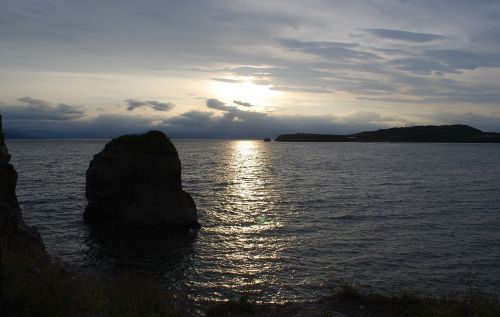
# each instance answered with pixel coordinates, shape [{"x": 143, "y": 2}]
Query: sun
[{"x": 258, "y": 95}]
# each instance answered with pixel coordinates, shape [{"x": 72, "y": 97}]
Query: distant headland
[{"x": 444, "y": 133}]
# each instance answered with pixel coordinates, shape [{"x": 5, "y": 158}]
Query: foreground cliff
[
  {"x": 136, "y": 180},
  {"x": 12, "y": 226}
]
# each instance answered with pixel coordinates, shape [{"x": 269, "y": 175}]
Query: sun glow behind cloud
[
  {"x": 324, "y": 62},
  {"x": 259, "y": 95}
]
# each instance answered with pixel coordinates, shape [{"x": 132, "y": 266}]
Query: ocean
[{"x": 288, "y": 221}]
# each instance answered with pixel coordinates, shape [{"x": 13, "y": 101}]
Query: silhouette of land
[
  {"x": 444, "y": 133},
  {"x": 19, "y": 136}
]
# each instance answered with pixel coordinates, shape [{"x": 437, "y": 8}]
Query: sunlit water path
[{"x": 287, "y": 220}]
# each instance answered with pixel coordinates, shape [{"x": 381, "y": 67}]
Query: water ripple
[{"x": 282, "y": 221}]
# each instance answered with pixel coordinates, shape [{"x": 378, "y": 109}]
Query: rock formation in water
[
  {"x": 12, "y": 225},
  {"x": 136, "y": 180}
]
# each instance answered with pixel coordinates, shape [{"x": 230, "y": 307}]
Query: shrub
[{"x": 34, "y": 285}]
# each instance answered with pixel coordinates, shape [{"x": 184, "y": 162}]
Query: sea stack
[
  {"x": 136, "y": 181},
  {"x": 12, "y": 226}
]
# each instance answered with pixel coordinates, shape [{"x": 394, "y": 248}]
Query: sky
[{"x": 246, "y": 69}]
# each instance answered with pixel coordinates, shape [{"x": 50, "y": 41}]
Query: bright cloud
[{"x": 263, "y": 62}]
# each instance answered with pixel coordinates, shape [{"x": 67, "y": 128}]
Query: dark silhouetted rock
[
  {"x": 12, "y": 226},
  {"x": 136, "y": 180}
]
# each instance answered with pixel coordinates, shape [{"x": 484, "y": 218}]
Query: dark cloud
[
  {"x": 405, "y": 35},
  {"x": 40, "y": 110},
  {"x": 302, "y": 89},
  {"x": 391, "y": 100},
  {"x": 441, "y": 61},
  {"x": 463, "y": 59},
  {"x": 33, "y": 101},
  {"x": 241, "y": 124},
  {"x": 133, "y": 104},
  {"x": 152, "y": 104},
  {"x": 329, "y": 50},
  {"x": 230, "y": 122},
  {"x": 243, "y": 104},
  {"x": 161, "y": 106},
  {"x": 463, "y": 97},
  {"x": 102, "y": 126},
  {"x": 217, "y": 104},
  {"x": 291, "y": 43},
  {"x": 237, "y": 123},
  {"x": 69, "y": 110},
  {"x": 227, "y": 80},
  {"x": 363, "y": 117},
  {"x": 422, "y": 66},
  {"x": 40, "y": 118}
]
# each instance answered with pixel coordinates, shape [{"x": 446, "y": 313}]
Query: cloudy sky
[{"x": 247, "y": 69}]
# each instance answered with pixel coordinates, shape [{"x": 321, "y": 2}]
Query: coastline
[{"x": 416, "y": 134}]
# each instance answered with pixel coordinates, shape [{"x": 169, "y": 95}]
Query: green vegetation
[
  {"x": 34, "y": 286},
  {"x": 153, "y": 142}
]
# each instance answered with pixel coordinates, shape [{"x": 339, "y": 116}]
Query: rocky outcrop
[
  {"x": 12, "y": 226},
  {"x": 136, "y": 180}
]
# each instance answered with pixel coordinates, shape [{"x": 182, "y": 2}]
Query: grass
[
  {"x": 153, "y": 142},
  {"x": 232, "y": 308},
  {"x": 358, "y": 302},
  {"x": 352, "y": 301},
  {"x": 34, "y": 286}
]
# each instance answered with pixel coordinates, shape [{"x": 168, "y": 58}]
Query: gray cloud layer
[
  {"x": 216, "y": 104},
  {"x": 152, "y": 104},
  {"x": 243, "y": 104},
  {"x": 405, "y": 35},
  {"x": 238, "y": 123},
  {"x": 441, "y": 54},
  {"x": 40, "y": 110},
  {"x": 226, "y": 122}
]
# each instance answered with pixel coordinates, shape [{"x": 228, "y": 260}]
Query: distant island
[{"x": 456, "y": 133}]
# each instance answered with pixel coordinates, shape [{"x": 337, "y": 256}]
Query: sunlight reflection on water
[
  {"x": 280, "y": 220},
  {"x": 249, "y": 253}
]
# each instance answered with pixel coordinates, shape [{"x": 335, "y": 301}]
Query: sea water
[{"x": 288, "y": 221}]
